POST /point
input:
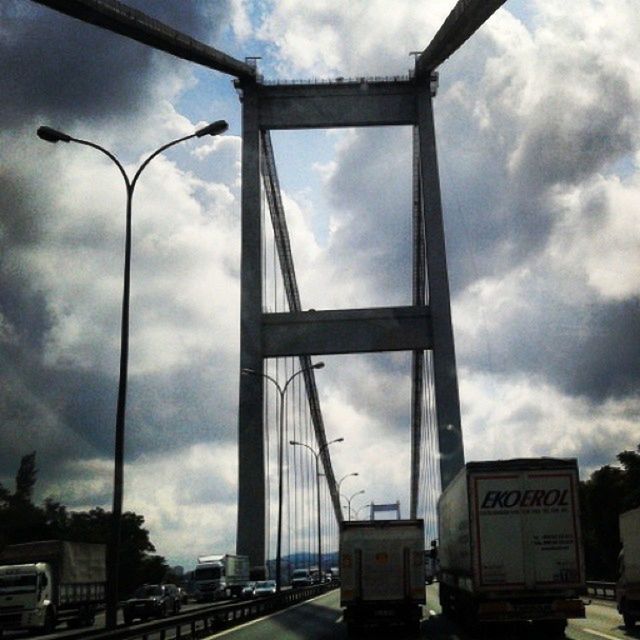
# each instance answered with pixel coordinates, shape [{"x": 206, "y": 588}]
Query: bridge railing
[
  {"x": 605, "y": 590},
  {"x": 204, "y": 621}
]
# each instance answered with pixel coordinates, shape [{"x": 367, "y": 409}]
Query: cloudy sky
[{"x": 538, "y": 118}]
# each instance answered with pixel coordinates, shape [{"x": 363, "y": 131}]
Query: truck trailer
[
  {"x": 382, "y": 573},
  {"x": 628, "y": 585},
  {"x": 220, "y": 576},
  {"x": 47, "y": 582},
  {"x": 510, "y": 544}
]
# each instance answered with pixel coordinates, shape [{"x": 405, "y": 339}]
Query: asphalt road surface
[{"x": 321, "y": 619}]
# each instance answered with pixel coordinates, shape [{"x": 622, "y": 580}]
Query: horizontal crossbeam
[
  {"x": 339, "y": 104},
  {"x": 346, "y": 331}
]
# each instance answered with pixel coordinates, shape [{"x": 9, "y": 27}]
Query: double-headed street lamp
[
  {"x": 353, "y": 495},
  {"x": 360, "y": 508},
  {"x": 52, "y": 135},
  {"x": 282, "y": 390},
  {"x": 317, "y": 455},
  {"x": 355, "y": 473}
]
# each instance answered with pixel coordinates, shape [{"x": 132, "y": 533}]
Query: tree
[
  {"x": 630, "y": 461},
  {"x": 26, "y": 478},
  {"x": 22, "y": 521},
  {"x": 607, "y": 493}
]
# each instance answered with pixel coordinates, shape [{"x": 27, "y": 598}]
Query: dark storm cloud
[
  {"x": 608, "y": 362},
  {"x": 520, "y": 127},
  {"x": 58, "y": 70},
  {"x": 54, "y": 65},
  {"x": 591, "y": 351}
]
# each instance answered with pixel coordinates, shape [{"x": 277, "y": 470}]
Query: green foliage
[
  {"x": 26, "y": 478},
  {"x": 22, "y": 521},
  {"x": 609, "y": 492}
]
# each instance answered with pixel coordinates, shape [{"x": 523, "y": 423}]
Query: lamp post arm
[
  {"x": 302, "y": 444},
  {"x": 157, "y": 152},
  {"x": 109, "y": 155},
  {"x": 297, "y": 373}
]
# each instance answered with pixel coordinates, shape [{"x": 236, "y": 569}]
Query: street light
[
  {"x": 317, "y": 454},
  {"x": 281, "y": 391},
  {"x": 52, "y": 135},
  {"x": 360, "y": 508},
  {"x": 357, "y": 493},
  {"x": 345, "y": 477}
]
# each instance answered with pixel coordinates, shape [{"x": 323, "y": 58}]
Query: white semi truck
[
  {"x": 510, "y": 544},
  {"x": 220, "y": 576},
  {"x": 382, "y": 573},
  {"x": 628, "y": 585},
  {"x": 47, "y": 582}
]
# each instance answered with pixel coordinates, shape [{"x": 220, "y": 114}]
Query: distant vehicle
[
  {"x": 335, "y": 573},
  {"x": 183, "y": 595},
  {"x": 220, "y": 576},
  {"x": 510, "y": 544},
  {"x": 628, "y": 585},
  {"x": 382, "y": 573},
  {"x": 301, "y": 578},
  {"x": 47, "y": 582},
  {"x": 431, "y": 564},
  {"x": 265, "y": 588},
  {"x": 248, "y": 591},
  {"x": 151, "y": 601}
]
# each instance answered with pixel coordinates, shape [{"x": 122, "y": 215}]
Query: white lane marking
[
  {"x": 271, "y": 615},
  {"x": 600, "y": 634}
]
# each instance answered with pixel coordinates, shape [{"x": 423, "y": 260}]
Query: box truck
[
  {"x": 220, "y": 576},
  {"x": 628, "y": 585},
  {"x": 382, "y": 573},
  {"x": 47, "y": 582},
  {"x": 510, "y": 544}
]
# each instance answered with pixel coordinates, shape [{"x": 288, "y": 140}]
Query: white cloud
[
  {"x": 357, "y": 38},
  {"x": 517, "y": 417}
]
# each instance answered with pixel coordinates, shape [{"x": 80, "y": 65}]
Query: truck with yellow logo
[{"x": 382, "y": 573}]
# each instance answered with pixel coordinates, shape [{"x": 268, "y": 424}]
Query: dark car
[
  {"x": 301, "y": 578},
  {"x": 265, "y": 588},
  {"x": 151, "y": 601}
]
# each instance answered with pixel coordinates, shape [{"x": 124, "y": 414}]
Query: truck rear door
[{"x": 525, "y": 532}]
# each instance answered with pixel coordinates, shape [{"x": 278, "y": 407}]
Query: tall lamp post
[
  {"x": 317, "y": 455},
  {"x": 52, "y": 135},
  {"x": 282, "y": 390},
  {"x": 353, "y": 495},
  {"x": 355, "y": 473},
  {"x": 360, "y": 508}
]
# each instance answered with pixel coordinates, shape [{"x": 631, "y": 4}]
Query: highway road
[
  {"x": 62, "y": 630},
  {"x": 321, "y": 619}
]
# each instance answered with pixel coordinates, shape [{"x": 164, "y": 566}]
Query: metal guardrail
[
  {"x": 605, "y": 590},
  {"x": 200, "y": 623}
]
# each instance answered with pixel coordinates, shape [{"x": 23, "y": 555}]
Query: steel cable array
[{"x": 301, "y": 418}]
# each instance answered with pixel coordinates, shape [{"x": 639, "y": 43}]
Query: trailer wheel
[
  {"x": 49, "y": 622},
  {"x": 629, "y": 620}
]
